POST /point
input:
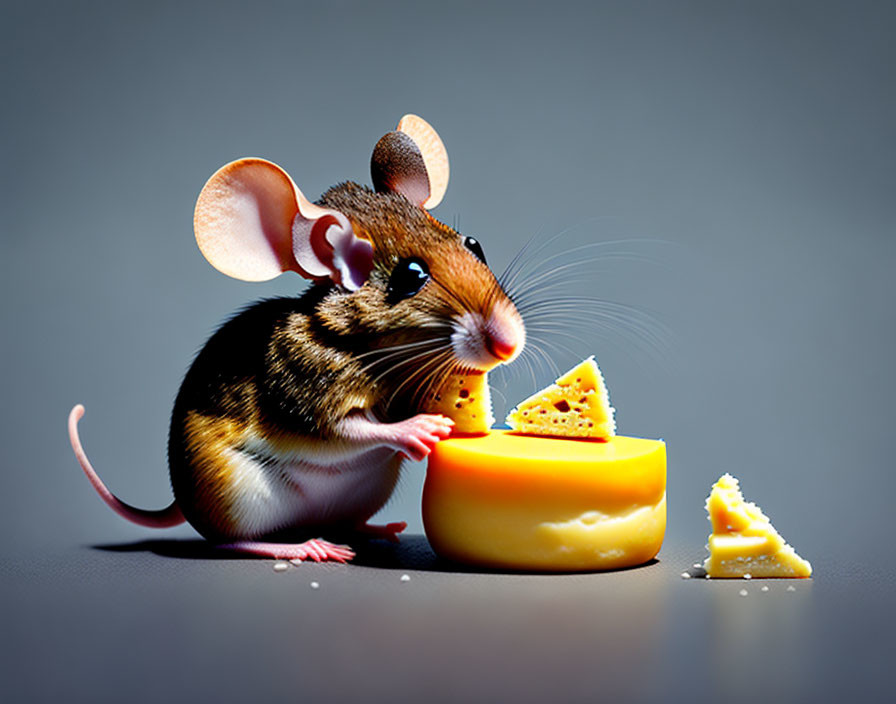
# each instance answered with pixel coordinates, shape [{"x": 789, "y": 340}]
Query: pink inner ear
[
  {"x": 353, "y": 257},
  {"x": 327, "y": 246},
  {"x": 310, "y": 247},
  {"x": 434, "y": 156}
]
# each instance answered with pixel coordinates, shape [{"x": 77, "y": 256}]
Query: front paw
[{"x": 417, "y": 436}]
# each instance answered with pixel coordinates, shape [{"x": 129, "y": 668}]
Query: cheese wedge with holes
[
  {"x": 506, "y": 500},
  {"x": 743, "y": 540},
  {"x": 465, "y": 399},
  {"x": 575, "y": 406}
]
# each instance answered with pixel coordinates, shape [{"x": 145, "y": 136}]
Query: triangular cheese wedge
[
  {"x": 465, "y": 399},
  {"x": 574, "y": 406},
  {"x": 743, "y": 540}
]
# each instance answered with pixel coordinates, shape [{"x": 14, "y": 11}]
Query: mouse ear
[
  {"x": 253, "y": 223},
  {"x": 412, "y": 161}
]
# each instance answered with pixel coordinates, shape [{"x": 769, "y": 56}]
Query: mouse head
[{"x": 400, "y": 278}]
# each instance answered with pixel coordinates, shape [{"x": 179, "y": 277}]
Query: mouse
[{"x": 296, "y": 416}]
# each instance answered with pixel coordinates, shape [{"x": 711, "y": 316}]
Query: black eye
[
  {"x": 407, "y": 278},
  {"x": 476, "y": 248}
]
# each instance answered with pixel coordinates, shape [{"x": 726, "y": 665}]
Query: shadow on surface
[{"x": 412, "y": 553}]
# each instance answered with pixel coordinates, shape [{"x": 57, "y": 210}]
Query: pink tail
[{"x": 163, "y": 518}]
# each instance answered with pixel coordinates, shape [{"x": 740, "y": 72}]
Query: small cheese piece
[
  {"x": 465, "y": 399},
  {"x": 506, "y": 500},
  {"x": 743, "y": 540},
  {"x": 575, "y": 406}
]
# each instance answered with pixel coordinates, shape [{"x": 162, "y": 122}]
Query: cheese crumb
[
  {"x": 281, "y": 566},
  {"x": 315, "y": 585}
]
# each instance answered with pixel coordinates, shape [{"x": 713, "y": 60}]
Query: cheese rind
[
  {"x": 546, "y": 504},
  {"x": 743, "y": 540},
  {"x": 576, "y": 405},
  {"x": 466, "y": 399}
]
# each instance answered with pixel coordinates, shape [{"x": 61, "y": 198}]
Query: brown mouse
[{"x": 298, "y": 412}]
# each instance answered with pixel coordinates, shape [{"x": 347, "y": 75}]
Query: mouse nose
[
  {"x": 504, "y": 332},
  {"x": 500, "y": 348}
]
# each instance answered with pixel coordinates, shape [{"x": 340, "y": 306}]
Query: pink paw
[
  {"x": 416, "y": 436},
  {"x": 388, "y": 532},
  {"x": 317, "y": 549}
]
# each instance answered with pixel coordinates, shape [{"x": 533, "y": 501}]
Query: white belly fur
[{"x": 272, "y": 492}]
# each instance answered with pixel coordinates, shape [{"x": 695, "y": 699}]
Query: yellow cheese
[
  {"x": 743, "y": 540},
  {"x": 549, "y": 504},
  {"x": 576, "y": 405},
  {"x": 465, "y": 398}
]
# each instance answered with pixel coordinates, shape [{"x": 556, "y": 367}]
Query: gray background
[{"x": 744, "y": 150}]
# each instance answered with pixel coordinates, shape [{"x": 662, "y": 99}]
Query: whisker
[
  {"x": 435, "y": 362},
  {"x": 397, "y": 349},
  {"x": 633, "y": 331},
  {"x": 565, "y": 274},
  {"x": 507, "y": 279},
  {"x": 404, "y": 362}
]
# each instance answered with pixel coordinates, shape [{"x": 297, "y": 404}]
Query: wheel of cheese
[{"x": 511, "y": 501}]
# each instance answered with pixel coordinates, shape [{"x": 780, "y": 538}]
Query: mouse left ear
[
  {"x": 253, "y": 223},
  {"x": 412, "y": 161}
]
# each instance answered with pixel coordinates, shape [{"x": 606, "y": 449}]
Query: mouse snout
[
  {"x": 504, "y": 332},
  {"x": 483, "y": 342}
]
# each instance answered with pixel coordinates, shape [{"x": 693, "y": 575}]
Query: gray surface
[{"x": 756, "y": 140}]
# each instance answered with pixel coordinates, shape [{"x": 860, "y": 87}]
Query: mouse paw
[
  {"x": 318, "y": 550},
  {"x": 417, "y": 436},
  {"x": 388, "y": 532}
]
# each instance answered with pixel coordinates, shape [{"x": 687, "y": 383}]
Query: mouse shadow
[{"x": 413, "y": 552}]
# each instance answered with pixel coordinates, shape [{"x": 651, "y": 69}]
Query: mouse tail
[{"x": 163, "y": 518}]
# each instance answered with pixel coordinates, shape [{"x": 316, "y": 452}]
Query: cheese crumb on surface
[
  {"x": 744, "y": 544},
  {"x": 281, "y": 566},
  {"x": 465, "y": 399},
  {"x": 576, "y": 405}
]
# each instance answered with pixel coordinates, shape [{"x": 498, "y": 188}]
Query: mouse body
[{"x": 298, "y": 413}]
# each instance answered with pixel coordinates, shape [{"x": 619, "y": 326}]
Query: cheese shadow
[{"x": 411, "y": 553}]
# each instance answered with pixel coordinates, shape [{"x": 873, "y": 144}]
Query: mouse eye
[
  {"x": 473, "y": 245},
  {"x": 407, "y": 278}
]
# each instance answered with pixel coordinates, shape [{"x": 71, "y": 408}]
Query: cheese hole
[
  {"x": 464, "y": 393},
  {"x": 562, "y": 406}
]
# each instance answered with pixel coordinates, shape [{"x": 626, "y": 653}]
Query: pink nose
[
  {"x": 504, "y": 333},
  {"x": 500, "y": 348}
]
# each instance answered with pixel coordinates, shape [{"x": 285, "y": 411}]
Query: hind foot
[
  {"x": 388, "y": 532},
  {"x": 318, "y": 550}
]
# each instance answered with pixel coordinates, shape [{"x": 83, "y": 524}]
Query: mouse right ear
[
  {"x": 253, "y": 223},
  {"x": 412, "y": 161}
]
